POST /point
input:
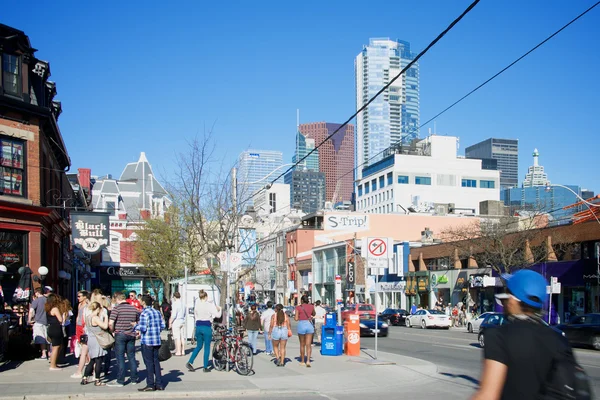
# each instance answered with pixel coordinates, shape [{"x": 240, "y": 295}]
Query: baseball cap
[
  {"x": 527, "y": 286},
  {"x": 48, "y": 289}
]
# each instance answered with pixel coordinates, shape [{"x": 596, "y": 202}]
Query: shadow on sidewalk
[
  {"x": 461, "y": 376},
  {"x": 8, "y": 365}
]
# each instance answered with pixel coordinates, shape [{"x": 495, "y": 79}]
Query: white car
[
  {"x": 428, "y": 318},
  {"x": 473, "y": 325}
]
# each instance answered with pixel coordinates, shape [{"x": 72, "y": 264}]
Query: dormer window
[{"x": 11, "y": 74}]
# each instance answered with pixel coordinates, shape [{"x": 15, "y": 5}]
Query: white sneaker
[{"x": 76, "y": 376}]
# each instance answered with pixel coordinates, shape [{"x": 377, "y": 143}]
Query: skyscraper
[
  {"x": 535, "y": 174},
  {"x": 336, "y": 157},
  {"x": 303, "y": 146},
  {"x": 307, "y": 190},
  {"x": 394, "y": 116},
  {"x": 506, "y": 151},
  {"x": 254, "y": 167}
]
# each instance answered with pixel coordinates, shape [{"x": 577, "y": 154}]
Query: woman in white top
[
  {"x": 177, "y": 321},
  {"x": 204, "y": 312}
]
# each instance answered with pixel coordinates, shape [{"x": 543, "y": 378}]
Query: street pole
[
  {"x": 185, "y": 281},
  {"x": 376, "y": 316},
  {"x": 227, "y": 297}
]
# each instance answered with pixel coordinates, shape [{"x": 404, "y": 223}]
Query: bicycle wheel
[
  {"x": 219, "y": 356},
  {"x": 244, "y": 359}
]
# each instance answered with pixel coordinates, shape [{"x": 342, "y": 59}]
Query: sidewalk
[{"x": 328, "y": 376}]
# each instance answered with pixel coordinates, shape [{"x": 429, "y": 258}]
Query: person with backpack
[{"x": 526, "y": 359}]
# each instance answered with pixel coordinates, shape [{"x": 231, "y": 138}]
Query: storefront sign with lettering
[
  {"x": 90, "y": 231},
  {"x": 422, "y": 283}
]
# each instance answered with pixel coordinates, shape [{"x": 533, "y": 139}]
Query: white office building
[
  {"x": 274, "y": 200},
  {"x": 427, "y": 176}
]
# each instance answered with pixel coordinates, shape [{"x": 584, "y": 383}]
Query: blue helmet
[{"x": 528, "y": 287}]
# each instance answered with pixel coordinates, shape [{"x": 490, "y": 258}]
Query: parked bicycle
[{"x": 229, "y": 348}]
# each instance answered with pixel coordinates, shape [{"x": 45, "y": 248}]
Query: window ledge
[{"x": 16, "y": 199}]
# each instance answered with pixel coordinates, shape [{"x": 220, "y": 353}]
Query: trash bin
[{"x": 332, "y": 342}]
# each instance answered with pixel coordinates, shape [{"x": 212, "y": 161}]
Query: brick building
[
  {"x": 35, "y": 193},
  {"x": 336, "y": 157}
]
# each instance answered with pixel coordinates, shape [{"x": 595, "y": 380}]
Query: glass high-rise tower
[
  {"x": 254, "y": 167},
  {"x": 303, "y": 146},
  {"x": 393, "y": 117}
]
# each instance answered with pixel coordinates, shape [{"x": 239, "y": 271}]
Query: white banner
[{"x": 346, "y": 222}]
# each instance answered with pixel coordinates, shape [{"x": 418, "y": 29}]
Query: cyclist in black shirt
[{"x": 518, "y": 356}]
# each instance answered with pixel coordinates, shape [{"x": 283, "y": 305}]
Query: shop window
[{"x": 12, "y": 167}]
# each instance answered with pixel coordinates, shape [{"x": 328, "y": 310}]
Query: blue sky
[{"x": 148, "y": 76}]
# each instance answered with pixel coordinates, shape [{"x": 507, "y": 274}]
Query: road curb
[{"x": 166, "y": 394}]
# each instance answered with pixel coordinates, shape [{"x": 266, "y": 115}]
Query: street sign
[
  {"x": 223, "y": 257},
  {"x": 377, "y": 247},
  {"x": 235, "y": 259}
]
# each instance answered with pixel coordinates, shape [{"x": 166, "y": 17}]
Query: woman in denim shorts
[
  {"x": 279, "y": 333},
  {"x": 305, "y": 313}
]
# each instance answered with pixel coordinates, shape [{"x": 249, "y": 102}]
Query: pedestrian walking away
[
  {"x": 304, "y": 315},
  {"x": 320, "y": 313},
  {"x": 265, "y": 320},
  {"x": 204, "y": 312},
  {"x": 150, "y": 325},
  {"x": 522, "y": 358},
  {"x": 280, "y": 331},
  {"x": 252, "y": 326},
  {"x": 95, "y": 324},
  {"x": 122, "y": 318},
  {"x": 177, "y": 323},
  {"x": 54, "y": 316}
]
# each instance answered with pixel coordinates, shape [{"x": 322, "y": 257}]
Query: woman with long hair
[
  {"x": 95, "y": 324},
  {"x": 54, "y": 316},
  {"x": 305, "y": 312},
  {"x": 67, "y": 313},
  {"x": 204, "y": 313},
  {"x": 279, "y": 332},
  {"x": 104, "y": 314}
]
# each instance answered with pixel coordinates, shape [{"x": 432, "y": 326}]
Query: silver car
[{"x": 473, "y": 325}]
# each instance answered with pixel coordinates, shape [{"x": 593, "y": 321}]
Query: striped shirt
[
  {"x": 122, "y": 316},
  {"x": 150, "y": 325}
]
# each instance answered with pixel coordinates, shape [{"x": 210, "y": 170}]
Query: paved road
[{"x": 457, "y": 353}]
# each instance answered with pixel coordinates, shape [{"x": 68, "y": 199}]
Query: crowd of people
[{"x": 103, "y": 325}]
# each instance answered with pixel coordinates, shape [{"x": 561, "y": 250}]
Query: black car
[
  {"x": 494, "y": 320},
  {"x": 583, "y": 330},
  {"x": 367, "y": 328},
  {"x": 394, "y": 316}
]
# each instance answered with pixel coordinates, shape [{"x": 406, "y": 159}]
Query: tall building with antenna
[{"x": 393, "y": 117}]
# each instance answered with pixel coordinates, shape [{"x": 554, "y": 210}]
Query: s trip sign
[{"x": 90, "y": 231}]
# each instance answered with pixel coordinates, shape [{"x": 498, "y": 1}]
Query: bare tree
[{"x": 505, "y": 243}]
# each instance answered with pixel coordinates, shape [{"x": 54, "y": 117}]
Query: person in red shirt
[{"x": 133, "y": 300}]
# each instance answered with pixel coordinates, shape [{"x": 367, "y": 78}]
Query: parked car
[
  {"x": 495, "y": 320},
  {"x": 364, "y": 311},
  {"x": 428, "y": 318},
  {"x": 367, "y": 328},
  {"x": 394, "y": 316},
  {"x": 473, "y": 325},
  {"x": 583, "y": 330}
]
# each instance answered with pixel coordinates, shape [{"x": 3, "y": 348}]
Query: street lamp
[{"x": 43, "y": 271}]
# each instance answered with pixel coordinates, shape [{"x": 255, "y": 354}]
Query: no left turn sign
[{"x": 377, "y": 247}]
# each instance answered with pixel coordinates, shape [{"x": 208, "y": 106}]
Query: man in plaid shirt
[{"x": 150, "y": 325}]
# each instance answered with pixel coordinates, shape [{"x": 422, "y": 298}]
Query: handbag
[
  {"x": 163, "y": 352},
  {"x": 105, "y": 339}
]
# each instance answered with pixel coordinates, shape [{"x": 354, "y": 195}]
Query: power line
[
  {"x": 480, "y": 86},
  {"x": 384, "y": 88}
]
